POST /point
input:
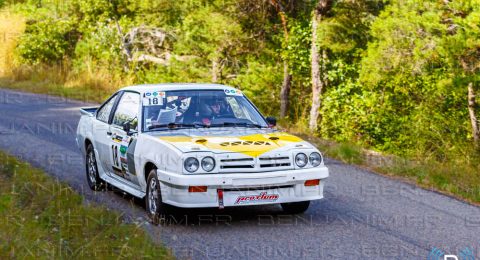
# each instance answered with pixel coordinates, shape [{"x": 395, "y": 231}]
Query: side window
[
  {"x": 127, "y": 110},
  {"x": 104, "y": 113}
]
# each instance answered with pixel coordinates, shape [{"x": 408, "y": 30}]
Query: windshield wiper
[
  {"x": 237, "y": 124},
  {"x": 177, "y": 126}
]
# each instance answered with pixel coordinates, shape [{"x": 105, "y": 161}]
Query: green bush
[
  {"x": 47, "y": 41},
  {"x": 102, "y": 45}
]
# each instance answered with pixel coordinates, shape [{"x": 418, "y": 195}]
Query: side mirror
[
  {"x": 126, "y": 128},
  {"x": 272, "y": 121}
]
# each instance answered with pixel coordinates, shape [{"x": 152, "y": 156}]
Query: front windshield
[{"x": 198, "y": 108}]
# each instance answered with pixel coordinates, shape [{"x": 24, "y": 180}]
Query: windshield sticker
[
  {"x": 153, "y": 98},
  {"x": 233, "y": 92}
]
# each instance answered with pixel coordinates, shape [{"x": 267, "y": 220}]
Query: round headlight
[
  {"x": 191, "y": 164},
  {"x": 315, "y": 159},
  {"x": 208, "y": 163},
  {"x": 301, "y": 160}
]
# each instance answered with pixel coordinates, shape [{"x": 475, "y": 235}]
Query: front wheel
[
  {"x": 295, "y": 207},
  {"x": 93, "y": 179},
  {"x": 156, "y": 209}
]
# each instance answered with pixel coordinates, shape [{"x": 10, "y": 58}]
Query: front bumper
[{"x": 241, "y": 189}]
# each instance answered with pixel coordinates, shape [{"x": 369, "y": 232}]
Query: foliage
[
  {"x": 102, "y": 45},
  {"x": 216, "y": 39},
  {"x": 48, "y": 41},
  {"x": 294, "y": 51},
  {"x": 261, "y": 83},
  {"x": 413, "y": 65}
]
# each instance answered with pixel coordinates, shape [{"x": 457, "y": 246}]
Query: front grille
[
  {"x": 279, "y": 161},
  {"x": 235, "y": 163},
  {"x": 274, "y": 165},
  {"x": 237, "y": 160},
  {"x": 237, "y": 166},
  {"x": 273, "y": 158}
]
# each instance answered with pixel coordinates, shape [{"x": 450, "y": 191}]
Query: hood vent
[{"x": 245, "y": 143}]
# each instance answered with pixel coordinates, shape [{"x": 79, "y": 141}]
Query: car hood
[{"x": 252, "y": 142}]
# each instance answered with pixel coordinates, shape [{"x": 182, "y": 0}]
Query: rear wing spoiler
[{"x": 88, "y": 111}]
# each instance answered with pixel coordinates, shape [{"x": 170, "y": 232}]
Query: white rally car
[{"x": 196, "y": 145}]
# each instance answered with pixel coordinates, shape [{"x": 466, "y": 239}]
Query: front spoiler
[{"x": 288, "y": 185}]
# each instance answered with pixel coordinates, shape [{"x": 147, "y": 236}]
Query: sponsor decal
[
  {"x": 153, "y": 98},
  {"x": 123, "y": 152},
  {"x": 262, "y": 197},
  {"x": 123, "y": 149},
  {"x": 232, "y": 92}
]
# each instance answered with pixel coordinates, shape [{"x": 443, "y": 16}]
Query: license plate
[{"x": 238, "y": 198}]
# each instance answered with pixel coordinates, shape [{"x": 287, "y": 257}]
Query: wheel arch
[
  {"x": 87, "y": 143},
  {"x": 146, "y": 170}
]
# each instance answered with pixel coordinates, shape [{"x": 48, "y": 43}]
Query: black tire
[
  {"x": 156, "y": 209},
  {"x": 93, "y": 179},
  {"x": 295, "y": 207}
]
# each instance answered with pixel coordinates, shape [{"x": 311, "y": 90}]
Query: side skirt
[{"x": 123, "y": 186}]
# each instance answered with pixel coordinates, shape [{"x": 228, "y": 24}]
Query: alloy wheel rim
[
  {"x": 92, "y": 172},
  {"x": 153, "y": 197}
]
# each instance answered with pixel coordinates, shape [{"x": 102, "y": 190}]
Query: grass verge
[
  {"x": 86, "y": 93},
  {"x": 40, "y": 217},
  {"x": 93, "y": 84},
  {"x": 458, "y": 179}
]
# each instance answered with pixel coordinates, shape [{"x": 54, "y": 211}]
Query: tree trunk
[
  {"x": 317, "y": 83},
  {"x": 473, "y": 117},
  {"x": 215, "y": 70},
  {"x": 319, "y": 78},
  {"x": 285, "y": 92},
  {"x": 287, "y": 77},
  {"x": 125, "y": 49}
]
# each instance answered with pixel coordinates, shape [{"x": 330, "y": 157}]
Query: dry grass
[
  {"x": 11, "y": 27},
  {"x": 93, "y": 84},
  {"x": 60, "y": 80}
]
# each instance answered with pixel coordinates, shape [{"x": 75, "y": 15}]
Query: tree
[
  {"x": 462, "y": 49},
  {"x": 287, "y": 77},
  {"x": 319, "y": 60},
  {"x": 214, "y": 36},
  {"x": 473, "y": 117}
]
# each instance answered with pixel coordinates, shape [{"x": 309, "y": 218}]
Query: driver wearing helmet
[{"x": 210, "y": 109}]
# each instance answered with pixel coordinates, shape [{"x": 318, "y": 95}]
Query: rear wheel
[
  {"x": 295, "y": 207},
  {"x": 156, "y": 209},
  {"x": 93, "y": 178}
]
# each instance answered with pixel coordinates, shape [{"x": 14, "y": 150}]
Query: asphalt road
[{"x": 363, "y": 215}]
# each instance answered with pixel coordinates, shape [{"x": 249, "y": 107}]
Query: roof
[{"x": 176, "y": 86}]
